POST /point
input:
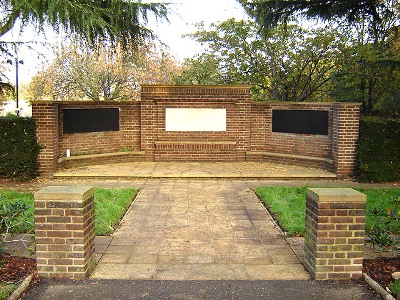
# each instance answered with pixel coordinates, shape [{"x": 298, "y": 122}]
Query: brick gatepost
[
  {"x": 64, "y": 230},
  {"x": 334, "y": 233}
]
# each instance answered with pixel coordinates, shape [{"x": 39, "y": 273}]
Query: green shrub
[
  {"x": 378, "y": 151},
  {"x": 16, "y": 215},
  {"x": 18, "y": 148},
  {"x": 385, "y": 230}
]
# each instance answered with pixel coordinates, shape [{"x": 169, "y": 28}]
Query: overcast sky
[{"x": 184, "y": 15}]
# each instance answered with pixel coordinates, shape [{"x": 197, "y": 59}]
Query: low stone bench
[
  {"x": 104, "y": 158},
  {"x": 301, "y": 160},
  {"x": 195, "y": 151}
]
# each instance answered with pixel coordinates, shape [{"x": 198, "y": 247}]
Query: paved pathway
[
  {"x": 198, "y": 230},
  {"x": 227, "y": 170}
]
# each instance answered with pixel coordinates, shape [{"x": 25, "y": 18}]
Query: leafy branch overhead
[
  {"x": 270, "y": 13},
  {"x": 94, "y": 21}
]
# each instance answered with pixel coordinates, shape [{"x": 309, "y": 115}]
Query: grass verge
[
  {"x": 6, "y": 289},
  {"x": 110, "y": 206},
  {"x": 288, "y": 205},
  {"x": 395, "y": 288}
]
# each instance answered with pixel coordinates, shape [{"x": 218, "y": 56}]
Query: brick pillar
[
  {"x": 148, "y": 125},
  {"x": 64, "y": 230},
  {"x": 244, "y": 130},
  {"x": 334, "y": 233},
  {"x": 346, "y": 119},
  {"x": 45, "y": 114}
]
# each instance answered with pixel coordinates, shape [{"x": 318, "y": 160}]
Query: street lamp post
[{"x": 17, "y": 62}]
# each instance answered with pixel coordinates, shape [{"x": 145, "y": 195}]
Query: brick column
[
  {"x": 148, "y": 125},
  {"x": 64, "y": 229},
  {"x": 346, "y": 119},
  {"x": 334, "y": 233},
  {"x": 244, "y": 130},
  {"x": 45, "y": 114}
]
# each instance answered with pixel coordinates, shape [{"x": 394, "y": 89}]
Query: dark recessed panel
[
  {"x": 90, "y": 120},
  {"x": 300, "y": 121}
]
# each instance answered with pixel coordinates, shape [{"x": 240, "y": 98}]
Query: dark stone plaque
[
  {"x": 300, "y": 121},
  {"x": 90, "y": 120}
]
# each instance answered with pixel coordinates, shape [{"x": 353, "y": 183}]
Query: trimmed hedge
[
  {"x": 18, "y": 148},
  {"x": 378, "y": 152}
]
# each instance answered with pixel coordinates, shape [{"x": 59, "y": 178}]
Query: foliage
[
  {"x": 385, "y": 230},
  {"x": 269, "y": 13},
  {"x": 369, "y": 74},
  {"x": 6, "y": 89},
  {"x": 14, "y": 217},
  {"x": 287, "y": 205},
  {"x": 104, "y": 74},
  {"x": 94, "y": 22},
  {"x": 18, "y": 148},
  {"x": 110, "y": 206},
  {"x": 370, "y": 69},
  {"x": 16, "y": 214},
  {"x": 292, "y": 64},
  {"x": 378, "y": 150}
]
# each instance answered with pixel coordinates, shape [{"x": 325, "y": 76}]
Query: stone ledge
[
  {"x": 162, "y": 143},
  {"x": 84, "y": 160},
  {"x": 328, "y": 161}
]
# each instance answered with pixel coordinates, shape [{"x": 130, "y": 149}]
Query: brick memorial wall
[{"x": 198, "y": 123}]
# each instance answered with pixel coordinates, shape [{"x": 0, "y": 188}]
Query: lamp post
[{"x": 17, "y": 62}]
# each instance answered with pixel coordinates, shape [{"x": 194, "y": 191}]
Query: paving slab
[
  {"x": 198, "y": 230},
  {"x": 170, "y": 170}
]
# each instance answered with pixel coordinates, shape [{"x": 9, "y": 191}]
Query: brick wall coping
[
  {"x": 67, "y": 103},
  {"x": 64, "y": 193},
  {"x": 87, "y": 102},
  {"x": 329, "y": 104},
  {"x": 196, "y": 89},
  {"x": 336, "y": 195}
]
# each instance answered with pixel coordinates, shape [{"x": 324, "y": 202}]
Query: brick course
[{"x": 248, "y": 134}]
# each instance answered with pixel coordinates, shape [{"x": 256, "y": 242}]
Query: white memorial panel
[{"x": 195, "y": 119}]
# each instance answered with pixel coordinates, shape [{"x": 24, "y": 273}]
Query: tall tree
[
  {"x": 369, "y": 73},
  {"x": 103, "y": 74},
  {"x": 292, "y": 64},
  {"x": 93, "y": 21},
  {"x": 269, "y": 13}
]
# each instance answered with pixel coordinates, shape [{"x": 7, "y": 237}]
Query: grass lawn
[
  {"x": 110, "y": 205},
  {"x": 6, "y": 289},
  {"x": 288, "y": 205}
]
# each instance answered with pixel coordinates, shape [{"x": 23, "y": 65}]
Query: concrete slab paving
[
  {"x": 198, "y": 230},
  {"x": 227, "y": 170}
]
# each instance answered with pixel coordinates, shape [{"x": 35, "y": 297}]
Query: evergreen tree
[
  {"x": 91, "y": 20},
  {"x": 268, "y": 13}
]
